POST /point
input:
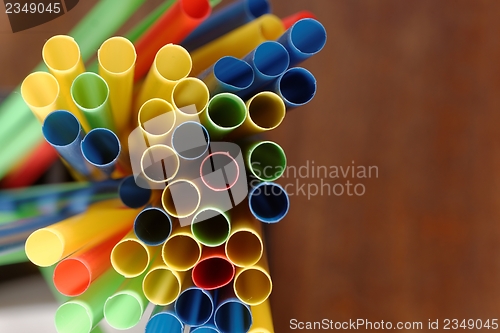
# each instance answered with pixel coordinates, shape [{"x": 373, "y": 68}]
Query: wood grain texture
[{"x": 411, "y": 87}]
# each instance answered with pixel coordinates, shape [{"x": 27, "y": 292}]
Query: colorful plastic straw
[
  {"x": 266, "y": 111},
  {"x": 81, "y": 314},
  {"x": 181, "y": 198},
  {"x": 171, "y": 64},
  {"x": 262, "y": 318},
  {"x": 190, "y": 140},
  {"x": 164, "y": 319},
  {"x": 124, "y": 309},
  {"x": 253, "y": 285},
  {"x": 172, "y": 27},
  {"x": 48, "y": 245},
  {"x": 75, "y": 274},
  {"x": 204, "y": 329},
  {"x": 225, "y": 112},
  {"x": 266, "y": 160},
  {"x": 194, "y": 306},
  {"x": 130, "y": 257},
  {"x": 268, "y": 202},
  {"x": 41, "y": 92},
  {"x": 269, "y": 60},
  {"x": 244, "y": 246},
  {"x": 61, "y": 54},
  {"x": 211, "y": 227},
  {"x": 162, "y": 285},
  {"x": 160, "y": 164},
  {"x": 211, "y": 171},
  {"x": 225, "y": 20},
  {"x": 238, "y": 42},
  {"x": 152, "y": 226},
  {"x": 214, "y": 270},
  {"x": 116, "y": 66},
  {"x": 190, "y": 91},
  {"x": 101, "y": 149},
  {"x": 304, "y": 39},
  {"x": 62, "y": 130},
  {"x": 132, "y": 195},
  {"x": 228, "y": 74},
  {"x": 90, "y": 93},
  {"x": 297, "y": 87},
  {"x": 230, "y": 314},
  {"x": 181, "y": 251},
  {"x": 157, "y": 119}
]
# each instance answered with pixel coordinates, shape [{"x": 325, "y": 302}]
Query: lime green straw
[
  {"x": 81, "y": 314},
  {"x": 13, "y": 257},
  {"x": 100, "y": 23}
]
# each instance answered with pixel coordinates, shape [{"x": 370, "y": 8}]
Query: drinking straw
[
  {"x": 253, "y": 285},
  {"x": 75, "y": 274},
  {"x": 124, "y": 309},
  {"x": 62, "y": 130},
  {"x": 228, "y": 74},
  {"x": 262, "y": 318},
  {"x": 157, "y": 120},
  {"x": 101, "y": 148},
  {"x": 238, "y": 42},
  {"x": 266, "y": 160},
  {"x": 297, "y": 87},
  {"x": 132, "y": 195},
  {"x": 190, "y": 140},
  {"x": 225, "y": 20},
  {"x": 181, "y": 198},
  {"x": 204, "y": 329},
  {"x": 13, "y": 256},
  {"x": 266, "y": 111},
  {"x": 152, "y": 226},
  {"x": 225, "y": 112},
  {"x": 268, "y": 202},
  {"x": 172, "y": 63},
  {"x": 190, "y": 91},
  {"x": 172, "y": 27},
  {"x": 290, "y": 20},
  {"x": 211, "y": 227},
  {"x": 212, "y": 175},
  {"x": 116, "y": 66},
  {"x": 244, "y": 246},
  {"x": 164, "y": 319},
  {"x": 269, "y": 60},
  {"x": 130, "y": 257},
  {"x": 159, "y": 164},
  {"x": 214, "y": 270},
  {"x": 162, "y": 285},
  {"x": 41, "y": 92},
  {"x": 90, "y": 93},
  {"x": 181, "y": 251},
  {"x": 231, "y": 315},
  {"x": 194, "y": 306},
  {"x": 81, "y": 314},
  {"x": 31, "y": 168},
  {"x": 48, "y": 245},
  {"x": 303, "y": 39},
  {"x": 61, "y": 54},
  {"x": 148, "y": 21},
  {"x": 104, "y": 18}
]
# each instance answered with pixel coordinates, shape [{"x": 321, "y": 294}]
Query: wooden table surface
[{"x": 413, "y": 88}]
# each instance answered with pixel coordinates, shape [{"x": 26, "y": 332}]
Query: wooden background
[{"x": 412, "y": 87}]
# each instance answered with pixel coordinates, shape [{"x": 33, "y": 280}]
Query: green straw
[
  {"x": 13, "y": 257},
  {"x": 266, "y": 160},
  {"x": 225, "y": 112},
  {"x": 125, "y": 308},
  {"x": 81, "y": 314},
  {"x": 100, "y": 23}
]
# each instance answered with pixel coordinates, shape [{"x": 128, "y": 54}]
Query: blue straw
[
  {"x": 303, "y": 39},
  {"x": 228, "y": 74},
  {"x": 132, "y": 195},
  {"x": 101, "y": 149},
  {"x": 268, "y": 202},
  {"x": 297, "y": 87},
  {"x": 194, "y": 306},
  {"x": 62, "y": 130},
  {"x": 225, "y": 20},
  {"x": 164, "y": 319},
  {"x": 152, "y": 226},
  {"x": 231, "y": 315}
]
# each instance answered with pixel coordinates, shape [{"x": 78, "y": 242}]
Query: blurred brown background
[{"x": 412, "y": 87}]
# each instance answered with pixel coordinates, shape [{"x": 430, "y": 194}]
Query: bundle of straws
[{"x": 175, "y": 180}]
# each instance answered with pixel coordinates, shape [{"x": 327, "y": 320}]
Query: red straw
[
  {"x": 172, "y": 27},
  {"x": 290, "y": 20},
  {"x": 213, "y": 270}
]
